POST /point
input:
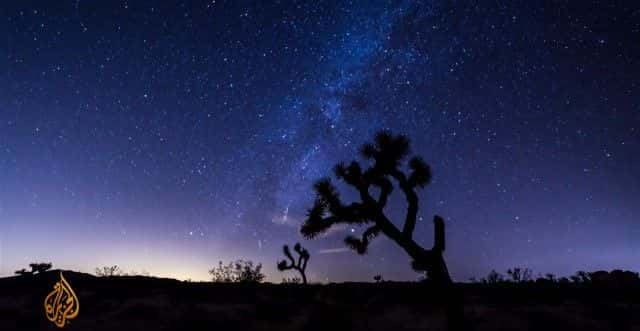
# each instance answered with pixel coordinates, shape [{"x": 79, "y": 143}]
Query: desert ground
[{"x": 147, "y": 303}]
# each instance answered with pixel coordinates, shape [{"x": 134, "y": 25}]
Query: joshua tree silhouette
[
  {"x": 387, "y": 155},
  {"x": 300, "y": 265}
]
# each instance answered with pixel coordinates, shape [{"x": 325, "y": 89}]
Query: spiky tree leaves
[
  {"x": 300, "y": 265},
  {"x": 351, "y": 174},
  {"x": 317, "y": 223},
  {"x": 328, "y": 202},
  {"x": 420, "y": 173},
  {"x": 360, "y": 245},
  {"x": 387, "y": 151},
  {"x": 386, "y": 156}
]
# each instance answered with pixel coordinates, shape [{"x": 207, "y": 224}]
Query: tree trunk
[
  {"x": 437, "y": 270},
  {"x": 304, "y": 278},
  {"x": 432, "y": 261}
]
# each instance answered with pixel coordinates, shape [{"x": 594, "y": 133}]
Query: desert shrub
[
  {"x": 108, "y": 271},
  {"x": 222, "y": 273},
  {"x": 40, "y": 267},
  {"x": 23, "y": 272},
  {"x": 36, "y": 267},
  {"x": 292, "y": 280},
  {"x": 494, "y": 277},
  {"x": 378, "y": 278},
  {"x": 581, "y": 277},
  {"x": 239, "y": 271},
  {"x": 520, "y": 275}
]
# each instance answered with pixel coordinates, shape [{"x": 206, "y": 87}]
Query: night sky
[{"x": 164, "y": 136}]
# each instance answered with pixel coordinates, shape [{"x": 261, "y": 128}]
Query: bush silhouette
[
  {"x": 36, "y": 267},
  {"x": 292, "y": 280},
  {"x": 387, "y": 156},
  {"x": 108, "y": 271},
  {"x": 493, "y": 277},
  {"x": 23, "y": 272},
  {"x": 39, "y": 267},
  {"x": 300, "y": 265},
  {"x": 520, "y": 275},
  {"x": 615, "y": 277},
  {"x": 239, "y": 271},
  {"x": 580, "y": 277}
]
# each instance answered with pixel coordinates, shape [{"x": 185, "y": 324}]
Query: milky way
[{"x": 164, "y": 136}]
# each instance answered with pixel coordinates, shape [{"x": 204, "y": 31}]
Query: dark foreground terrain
[{"x": 145, "y": 303}]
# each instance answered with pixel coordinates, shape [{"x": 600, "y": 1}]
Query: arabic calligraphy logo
[{"x": 62, "y": 304}]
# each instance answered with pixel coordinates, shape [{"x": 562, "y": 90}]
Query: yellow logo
[{"x": 62, "y": 304}]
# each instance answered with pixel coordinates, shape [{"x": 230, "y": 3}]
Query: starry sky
[{"x": 164, "y": 136}]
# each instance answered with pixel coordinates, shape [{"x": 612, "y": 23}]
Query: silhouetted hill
[{"x": 147, "y": 303}]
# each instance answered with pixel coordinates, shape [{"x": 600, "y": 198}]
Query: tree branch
[
  {"x": 385, "y": 190},
  {"x": 438, "y": 234},
  {"x": 316, "y": 223},
  {"x": 412, "y": 203},
  {"x": 287, "y": 253},
  {"x": 361, "y": 245}
]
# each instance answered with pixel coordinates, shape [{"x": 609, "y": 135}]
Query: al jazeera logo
[{"x": 62, "y": 304}]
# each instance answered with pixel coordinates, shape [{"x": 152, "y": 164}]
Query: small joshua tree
[
  {"x": 300, "y": 265},
  {"x": 378, "y": 278},
  {"x": 387, "y": 156}
]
